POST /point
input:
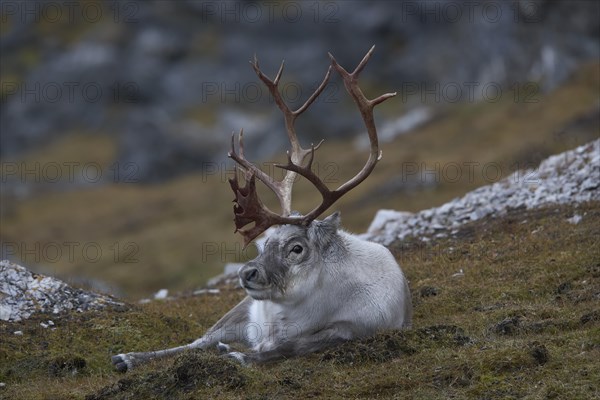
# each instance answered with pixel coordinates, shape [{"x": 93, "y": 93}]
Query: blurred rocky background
[{"x": 116, "y": 116}]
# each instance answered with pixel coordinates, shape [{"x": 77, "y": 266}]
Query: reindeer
[{"x": 312, "y": 285}]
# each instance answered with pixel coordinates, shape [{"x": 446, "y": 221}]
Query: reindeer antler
[{"x": 249, "y": 208}]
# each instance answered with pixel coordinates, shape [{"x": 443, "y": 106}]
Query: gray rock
[
  {"x": 23, "y": 293},
  {"x": 551, "y": 183}
]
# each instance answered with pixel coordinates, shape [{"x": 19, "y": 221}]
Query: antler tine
[
  {"x": 249, "y": 208},
  {"x": 358, "y": 68},
  {"x": 315, "y": 94},
  {"x": 241, "y": 142},
  {"x": 251, "y": 169},
  {"x": 363, "y": 62},
  {"x": 335, "y": 64},
  {"x": 272, "y": 85},
  {"x": 265, "y": 78},
  {"x": 278, "y": 76},
  {"x": 382, "y": 98}
]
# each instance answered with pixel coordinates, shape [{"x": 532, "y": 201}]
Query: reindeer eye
[{"x": 297, "y": 249}]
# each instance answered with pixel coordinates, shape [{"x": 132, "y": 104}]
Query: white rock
[
  {"x": 571, "y": 177},
  {"x": 5, "y": 312},
  {"x": 575, "y": 219},
  {"x": 206, "y": 291},
  {"x": 382, "y": 217},
  {"x": 23, "y": 293},
  {"x": 459, "y": 274},
  {"x": 161, "y": 294}
]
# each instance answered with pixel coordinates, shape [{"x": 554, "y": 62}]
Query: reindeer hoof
[
  {"x": 223, "y": 348},
  {"x": 121, "y": 362},
  {"x": 239, "y": 357}
]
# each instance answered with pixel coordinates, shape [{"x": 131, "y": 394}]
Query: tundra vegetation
[{"x": 522, "y": 321}]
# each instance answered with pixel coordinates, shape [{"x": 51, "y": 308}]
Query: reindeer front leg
[
  {"x": 301, "y": 345},
  {"x": 228, "y": 329}
]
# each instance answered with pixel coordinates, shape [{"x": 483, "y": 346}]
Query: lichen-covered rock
[
  {"x": 23, "y": 293},
  {"x": 570, "y": 177}
]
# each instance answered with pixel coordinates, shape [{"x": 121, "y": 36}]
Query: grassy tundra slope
[{"x": 522, "y": 321}]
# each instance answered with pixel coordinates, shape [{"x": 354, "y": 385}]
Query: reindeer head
[
  {"x": 289, "y": 264},
  {"x": 249, "y": 208}
]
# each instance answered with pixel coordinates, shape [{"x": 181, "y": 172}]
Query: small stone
[
  {"x": 5, "y": 312},
  {"x": 427, "y": 214},
  {"x": 428, "y": 291},
  {"x": 18, "y": 333},
  {"x": 563, "y": 288},
  {"x": 590, "y": 184},
  {"x": 539, "y": 352},
  {"x": 161, "y": 294},
  {"x": 508, "y": 326},
  {"x": 445, "y": 209},
  {"x": 458, "y": 274},
  {"x": 590, "y": 317}
]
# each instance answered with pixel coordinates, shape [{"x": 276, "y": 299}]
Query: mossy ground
[{"x": 522, "y": 320}]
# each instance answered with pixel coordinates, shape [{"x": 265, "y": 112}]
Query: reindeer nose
[{"x": 250, "y": 274}]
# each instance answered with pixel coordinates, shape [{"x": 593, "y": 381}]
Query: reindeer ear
[
  {"x": 332, "y": 222},
  {"x": 323, "y": 231}
]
